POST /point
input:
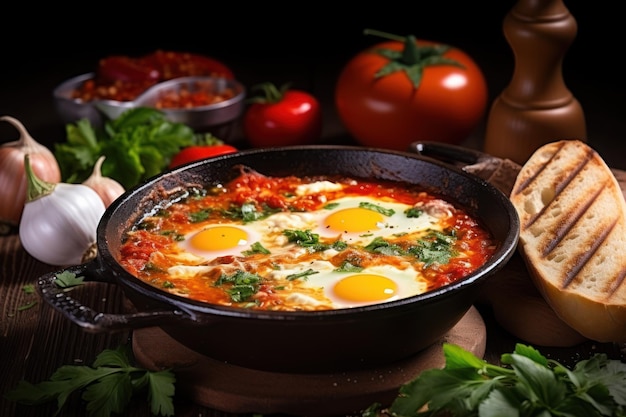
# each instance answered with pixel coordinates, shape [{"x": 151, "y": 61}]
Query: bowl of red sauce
[{"x": 198, "y": 91}]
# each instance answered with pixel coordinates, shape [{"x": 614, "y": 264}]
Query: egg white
[
  {"x": 397, "y": 223},
  {"x": 409, "y": 283}
]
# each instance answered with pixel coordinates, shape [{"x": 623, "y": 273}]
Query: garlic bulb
[
  {"x": 13, "y": 185},
  {"x": 59, "y": 221},
  {"x": 107, "y": 188}
]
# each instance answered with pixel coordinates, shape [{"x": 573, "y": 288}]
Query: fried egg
[
  {"x": 333, "y": 289},
  {"x": 354, "y": 220},
  {"x": 357, "y": 220},
  {"x": 219, "y": 240}
]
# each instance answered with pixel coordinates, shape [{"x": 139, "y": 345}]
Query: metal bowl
[{"x": 201, "y": 118}]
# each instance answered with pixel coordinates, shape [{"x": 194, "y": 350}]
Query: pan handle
[
  {"x": 88, "y": 319},
  {"x": 451, "y": 154}
]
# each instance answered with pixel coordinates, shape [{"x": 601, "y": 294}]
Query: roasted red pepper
[
  {"x": 126, "y": 69},
  {"x": 173, "y": 64},
  {"x": 123, "y": 78}
]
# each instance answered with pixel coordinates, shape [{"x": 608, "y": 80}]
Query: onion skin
[
  {"x": 13, "y": 186},
  {"x": 107, "y": 188}
]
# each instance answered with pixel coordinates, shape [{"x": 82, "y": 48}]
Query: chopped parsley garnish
[
  {"x": 28, "y": 289},
  {"x": 377, "y": 208},
  {"x": 413, "y": 212},
  {"x": 68, "y": 279},
  {"x": 199, "y": 216},
  {"x": 255, "y": 248},
  {"x": 248, "y": 212},
  {"x": 27, "y": 306},
  {"x": 173, "y": 234},
  {"x": 242, "y": 285},
  {"x": 347, "y": 266},
  {"x": 303, "y": 274},
  {"x": 307, "y": 239},
  {"x": 339, "y": 245},
  {"x": 380, "y": 245},
  {"x": 331, "y": 206},
  {"x": 435, "y": 247}
]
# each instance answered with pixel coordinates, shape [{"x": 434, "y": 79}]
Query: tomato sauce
[
  {"x": 124, "y": 78},
  {"x": 453, "y": 247}
]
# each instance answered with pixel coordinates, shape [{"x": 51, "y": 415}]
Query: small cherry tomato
[
  {"x": 282, "y": 117},
  {"x": 408, "y": 90},
  {"x": 198, "y": 152}
]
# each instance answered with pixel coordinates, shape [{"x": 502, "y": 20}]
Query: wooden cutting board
[{"x": 230, "y": 388}]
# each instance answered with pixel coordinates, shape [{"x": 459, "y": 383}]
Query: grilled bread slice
[{"x": 573, "y": 237}]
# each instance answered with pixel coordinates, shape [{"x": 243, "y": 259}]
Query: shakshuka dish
[{"x": 304, "y": 243}]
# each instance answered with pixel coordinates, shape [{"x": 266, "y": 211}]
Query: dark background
[{"x": 305, "y": 43}]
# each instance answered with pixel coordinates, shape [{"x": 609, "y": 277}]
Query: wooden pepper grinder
[{"x": 536, "y": 107}]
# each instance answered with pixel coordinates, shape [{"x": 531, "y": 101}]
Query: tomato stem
[
  {"x": 271, "y": 93},
  {"x": 413, "y": 58}
]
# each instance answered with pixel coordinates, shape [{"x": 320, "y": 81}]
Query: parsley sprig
[
  {"x": 527, "y": 385},
  {"x": 138, "y": 145},
  {"x": 107, "y": 387}
]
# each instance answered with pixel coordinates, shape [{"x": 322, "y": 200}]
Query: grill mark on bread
[
  {"x": 617, "y": 283},
  {"x": 582, "y": 257},
  {"x": 526, "y": 183},
  {"x": 559, "y": 185},
  {"x": 564, "y": 228}
]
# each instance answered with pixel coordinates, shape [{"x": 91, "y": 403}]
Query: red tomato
[
  {"x": 380, "y": 105},
  {"x": 282, "y": 118},
  {"x": 195, "y": 153}
]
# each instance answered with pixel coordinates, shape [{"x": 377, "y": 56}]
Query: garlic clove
[
  {"x": 13, "y": 184},
  {"x": 107, "y": 188},
  {"x": 60, "y": 221}
]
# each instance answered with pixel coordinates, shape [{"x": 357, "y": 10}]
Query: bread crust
[{"x": 573, "y": 237}]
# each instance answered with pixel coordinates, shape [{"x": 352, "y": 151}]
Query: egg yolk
[
  {"x": 365, "y": 287},
  {"x": 356, "y": 219},
  {"x": 219, "y": 238}
]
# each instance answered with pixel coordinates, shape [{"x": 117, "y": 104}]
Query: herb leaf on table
[
  {"x": 527, "y": 384},
  {"x": 108, "y": 386}
]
